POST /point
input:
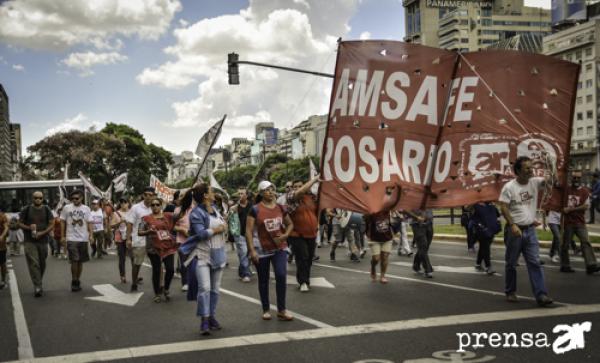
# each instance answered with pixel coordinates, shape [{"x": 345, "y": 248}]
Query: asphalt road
[{"x": 347, "y": 319}]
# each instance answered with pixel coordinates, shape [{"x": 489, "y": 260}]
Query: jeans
[
  {"x": 555, "y": 229},
  {"x": 304, "y": 251},
  {"x": 586, "y": 249},
  {"x": 242, "y": 251},
  {"x": 529, "y": 246},
  {"x": 279, "y": 261},
  {"x": 156, "y": 267},
  {"x": 209, "y": 284},
  {"x": 423, "y": 235},
  {"x": 36, "y": 254}
]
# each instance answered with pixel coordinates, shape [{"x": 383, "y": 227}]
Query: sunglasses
[
  {"x": 155, "y": 205},
  {"x": 75, "y": 198}
]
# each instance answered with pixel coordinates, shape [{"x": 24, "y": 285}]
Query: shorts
[
  {"x": 138, "y": 254},
  {"x": 78, "y": 251},
  {"x": 379, "y": 247},
  {"x": 2, "y": 257}
]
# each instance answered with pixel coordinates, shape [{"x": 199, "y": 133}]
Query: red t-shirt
[
  {"x": 269, "y": 223},
  {"x": 162, "y": 241},
  {"x": 305, "y": 218},
  {"x": 576, "y": 198},
  {"x": 379, "y": 227}
]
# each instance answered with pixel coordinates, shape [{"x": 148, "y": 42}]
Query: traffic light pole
[
  {"x": 233, "y": 71},
  {"x": 286, "y": 68}
]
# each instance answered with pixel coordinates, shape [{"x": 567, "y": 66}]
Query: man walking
[
  {"x": 578, "y": 201},
  {"x": 518, "y": 202},
  {"x": 242, "y": 209},
  {"x": 422, "y": 227},
  {"x": 303, "y": 209},
  {"x": 136, "y": 243},
  {"x": 37, "y": 222},
  {"x": 76, "y": 233},
  {"x": 595, "y": 197}
]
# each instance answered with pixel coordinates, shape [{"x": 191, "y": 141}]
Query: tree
[{"x": 100, "y": 155}]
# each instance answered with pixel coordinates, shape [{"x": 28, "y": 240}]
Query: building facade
[
  {"x": 6, "y": 168},
  {"x": 578, "y": 44},
  {"x": 16, "y": 151},
  {"x": 471, "y": 25}
]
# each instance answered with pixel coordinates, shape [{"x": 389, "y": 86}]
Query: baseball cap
[{"x": 264, "y": 185}]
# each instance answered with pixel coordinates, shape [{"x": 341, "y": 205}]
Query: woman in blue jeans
[
  {"x": 207, "y": 256},
  {"x": 273, "y": 225}
]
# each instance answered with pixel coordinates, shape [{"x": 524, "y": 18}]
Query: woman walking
[
  {"x": 160, "y": 247},
  {"x": 274, "y": 225},
  {"x": 119, "y": 226},
  {"x": 206, "y": 256},
  {"x": 182, "y": 227}
]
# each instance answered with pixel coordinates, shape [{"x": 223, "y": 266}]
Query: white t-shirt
[
  {"x": 135, "y": 215},
  {"x": 76, "y": 220},
  {"x": 282, "y": 199},
  {"x": 97, "y": 220},
  {"x": 521, "y": 200},
  {"x": 553, "y": 217}
]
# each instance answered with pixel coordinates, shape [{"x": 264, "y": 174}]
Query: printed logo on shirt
[
  {"x": 573, "y": 201},
  {"x": 382, "y": 226},
  {"x": 525, "y": 196},
  {"x": 273, "y": 224}
]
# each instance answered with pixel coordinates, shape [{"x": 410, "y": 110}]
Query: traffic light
[{"x": 232, "y": 68}]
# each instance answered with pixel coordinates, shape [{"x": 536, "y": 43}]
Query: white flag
[
  {"x": 120, "y": 183},
  {"x": 215, "y": 185},
  {"x": 90, "y": 187},
  {"x": 208, "y": 139},
  {"x": 313, "y": 173}
]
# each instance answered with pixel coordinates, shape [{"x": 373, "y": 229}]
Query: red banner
[{"x": 412, "y": 126}]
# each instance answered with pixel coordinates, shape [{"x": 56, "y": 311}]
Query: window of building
[
  {"x": 587, "y": 165},
  {"x": 580, "y": 131},
  {"x": 588, "y": 67},
  {"x": 579, "y": 100},
  {"x": 588, "y": 98},
  {"x": 486, "y": 22},
  {"x": 464, "y": 40},
  {"x": 578, "y": 54},
  {"x": 588, "y": 83},
  {"x": 589, "y": 130},
  {"x": 579, "y": 84},
  {"x": 486, "y": 12},
  {"x": 588, "y": 52},
  {"x": 589, "y": 115},
  {"x": 568, "y": 57}
]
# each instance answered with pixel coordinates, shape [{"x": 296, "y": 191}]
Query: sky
[{"x": 160, "y": 66}]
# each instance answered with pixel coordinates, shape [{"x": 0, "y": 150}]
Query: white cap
[
  {"x": 264, "y": 185},
  {"x": 95, "y": 201}
]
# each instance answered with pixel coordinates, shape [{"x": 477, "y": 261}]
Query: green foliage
[{"x": 101, "y": 156}]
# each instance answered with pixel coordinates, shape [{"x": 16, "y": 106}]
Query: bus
[{"x": 14, "y": 195}]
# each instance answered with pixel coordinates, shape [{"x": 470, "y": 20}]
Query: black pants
[
  {"x": 304, "y": 251},
  {"x": 423, "y": 235},
  {"x": 182, "y": 268},
  {"x": 122, "y": 251},
  {"x": 471, "y": 238},
  {"x": 484, "y": 251},
  {"x": 169, "y": 262}
]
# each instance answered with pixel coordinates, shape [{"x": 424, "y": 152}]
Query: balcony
[{"x": 584, "y": 151}]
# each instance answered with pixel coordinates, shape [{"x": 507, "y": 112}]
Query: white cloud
[
  {"x": 42, "y": 24},
  {"x": 365, "y": 36},
  {"x": 85, "y": 61},
  {"x": 295, "y": 33},
  {"x": 18, "y": 68},
  {"x": 79, "y": 122}
]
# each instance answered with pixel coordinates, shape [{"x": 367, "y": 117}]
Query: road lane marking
[
  {"x": 451, "y": 269},
  {"x": 320, "y": 333},
  {"x": 547, "y": 265},
  {"x": 296, "y": 315},
  {"x": 429, "y": 282},
  {"x": 111, "y": 294},
  {"x": 25, "y": 348}
]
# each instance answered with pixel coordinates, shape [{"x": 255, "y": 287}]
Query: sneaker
[
  {"x": 167, "y": 295},
  {"x": 592, "y": 269},
  {"x": 246, "y": 279},
  {"x": 184, "y": 288},
  {"x": 266, "y": 316},
  {"x": 417, "y": 270},
  {"x": 409, "y": 254},
  {"x": 204, "y": 327},
  {"x": 512, "y": 297},
  {"x": 316, "y": 258},
  {"x": 399, "y": 252},
  {"x": 363, "y": 253},
  {"x": 566, "y": 269},
  {"x": 284, "y": 316},
  {"x": 332, "y": 256},
  {"x": 544, "y": 300},
  {"x": 134, "y": 288},
  {"x": 213, "y": 324},
  {"x": 428, "y": 275},
  {"x": 478, "y": 268},
  {"x": 76, "y": 286},
  {"x": 37, "y": 292},
  {"x": 490, "y": 271},
  {"x": 354, "y": 258},
  {"x": 555, "y": 259},
  {"x": 304, "y": 288},
  {"x": 157, "y": 299}
]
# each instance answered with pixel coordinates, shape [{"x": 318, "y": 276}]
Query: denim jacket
[{"x": 199, "y": 231}]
